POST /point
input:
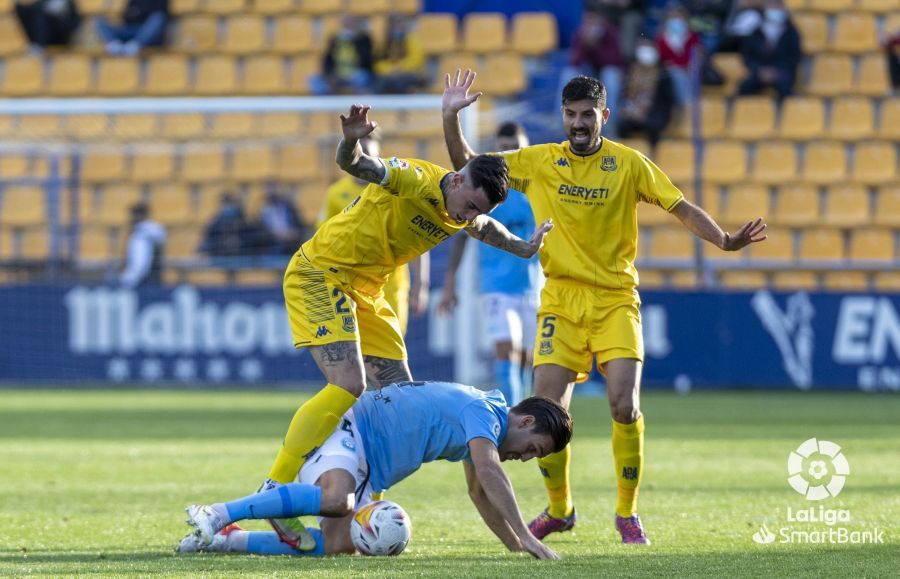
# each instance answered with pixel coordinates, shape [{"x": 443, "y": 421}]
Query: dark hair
[
  {"x": 584, "y": 87},
  {"x": 140, "y": 211},
  {"x": 549, "y": 418},
  {"x": 491, "y": 173},
  {"x": 510, "y": 129}
]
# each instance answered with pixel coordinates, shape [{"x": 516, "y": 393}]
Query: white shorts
[
  {"x": 511, "y": 318},
  {"x": 343, "y": 450}
]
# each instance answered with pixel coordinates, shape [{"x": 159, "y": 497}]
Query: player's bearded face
[{"x": 582, "y": 121}]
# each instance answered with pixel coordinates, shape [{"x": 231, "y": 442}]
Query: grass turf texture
[{"x": 95, "y": 482}]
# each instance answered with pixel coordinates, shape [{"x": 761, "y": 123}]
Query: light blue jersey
[
  {"x": 502, "y": 272},
  {"x": 406, "y": 425}
]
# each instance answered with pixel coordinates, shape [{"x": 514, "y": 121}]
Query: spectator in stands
[
  {"x": 143, "y": 24},
  {"x": 746, "y": 17},
  {"x": 677, "y": 45},
  {"x": 143, "y": 261},
  {"x": 892, "y": 45},
  {"x": 401, "y": 65},
  {"x": 230, "y": 234},
  {"x": 626, "y": 15},
  {"x": 48, "y": 22},
  {"x": 771, "y": 53},
  {"x": 596, "y": 52},
  {"x": 648, "y": 96},
  {"x": 347, "y": 63},
  {"x": 282, "y": 223}
]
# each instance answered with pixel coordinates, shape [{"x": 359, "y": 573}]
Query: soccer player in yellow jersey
[
  {"x": 333, "y": 286},
  {"x": 589, "y": 311},
  {"x": 400, "y": 294}
]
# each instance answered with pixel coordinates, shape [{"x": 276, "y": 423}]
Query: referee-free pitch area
[{"x": 96, "y": 482}]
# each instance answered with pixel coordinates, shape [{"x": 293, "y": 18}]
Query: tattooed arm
[
  {"x": 350, "y": 156},
  {"x": 492, "y": 232}
]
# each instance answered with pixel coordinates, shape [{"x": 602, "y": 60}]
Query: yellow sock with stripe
[
  {"x": 628, "y": 454},
  {"x": 312, "y": 424},
  {"x": 555, "y": 469}
]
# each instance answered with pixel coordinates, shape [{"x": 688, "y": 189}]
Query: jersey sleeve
[
  {"x": 653, "y": 186},
  {"x": 409, "y": 177},
  {"x": 480, "y": 421},
  {"x": 522, "y": 165}
]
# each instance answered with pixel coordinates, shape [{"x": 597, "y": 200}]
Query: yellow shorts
[
  {"x": 578, "y": 324},
  {"x": 396, "y": 292},
  {"x": 324, "y": 309}
]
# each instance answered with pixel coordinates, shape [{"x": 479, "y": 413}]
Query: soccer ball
[{"x": 381, "y": 528}]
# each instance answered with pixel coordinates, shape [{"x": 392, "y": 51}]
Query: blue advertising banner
[{"x": 191, "y": 335}]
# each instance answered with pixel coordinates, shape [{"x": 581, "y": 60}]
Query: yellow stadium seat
[
  {"x": 34, "y": 243},
  {"x": 133, "y": 126},
  {"x": 449, "y": 63},
  {"x": 878, "y": 6},
  {"x": 233, "y": 125},
  {"x": 197, "y": 34},
  {"x": 855, "y": 32},
  {"x": 852, "y": 119},
  {"x": 170, "y": 204},
  {"x": 752, "y": 118},
  {"x": 70, "y": 75},
  {"x": 504, "y": 74},
  {"x": 179, "y": 7},
  {"x": 23, "y": 205},
  {"x": 638, "y": 144},
  {"x": 14, "y": 166},
  {"x": 797, "y": 205},
  {"x": 651, "y": 278},
  {"x": 274, "y": 6},
  {"x": 225, "y": 6},
  {"x": 813, "y": 28},
  {"x": 671, "y": 243},
  {"x": 676, "y": 158},
  {"x": 725, "y": 162},
  {"x": 777, "y": 248},
  {"x": 648, "y": 215},
  {"x": 847, "y": 205},
  {"x": 887, "y": 206},
  {"x": 95, "y": 243},
  {"x": 846, "y": 281},
  {"x": 889, "y": 126},
  {"x": 742, "y": 280},
  {"x": 824, "y": 162},
  {"x": 6, "y": 126},
  {"x": 872, "y": 245},
  {"x": 438, "y": 34},
  {"x": 206, "y": 277},
  {"x": 103, "y": 164},
  {"x": 39, "y": 126},
  {"x": 293, "y": 34},
  {"x": 23, "y": 76},
  {"x": 712, "y": 116},
  {"x": 832, "y": 6},
  {"x": 12, "y": 40},
  {"x": 684, "y": 279},
  {"x": 326, "y": 124},
  {"x": 875, "y": 163},
  {"x": 153, "y": 163},
  {"x": 832, "y": 75},
  {"x": 421, "y": 123},
  {"x": 794, "y": 280},
  {"x": 208, "y": 203},
  {"x": 279, "y": 124},
  {"x": 436, "y": 152},
  {"x": 244, "y": 34},
  {"x": 406, "y": 6},
  {"x": 746, "y": 202},
  {"x": 822, "y": 245},
  {"x": 802, "y": 118},
  {"x": 297, "y": 162},
  {"x": 113, "y": 205},
  {"x": 887, "y": 281},
  {"x": 732, "y": 68},
  {"x": 367, "y": 7},
  {"x": 118, "y": 77},
  {"x": 711, "y": 201},
  {"x": 484, "y": 32},
  {"x": 202, "y": 163},
  {"x": 873, "y": 76},
  {"x": 264, "y": 75},
  {"x": 251, "y": 163},
  {"x": 302, "y": 67},
  {"x": 167, "y": 75},
  {"x": 320, "y": 7},
  {"x": 775, "y": 162},
  {"x": 258, "y": 277},
  {"x": 182, "y": 242},
  {"x": 216, "y": 75},
  {"x": 182, "y": 126},
  {"x": 534, "y": 33}
]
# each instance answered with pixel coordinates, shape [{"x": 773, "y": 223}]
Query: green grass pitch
[{"x": 94, "y": 482}]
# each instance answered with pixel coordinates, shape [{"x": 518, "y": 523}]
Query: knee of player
[
  {"x": 337, "y": 504},
  {"x": 624, "y": 411}
]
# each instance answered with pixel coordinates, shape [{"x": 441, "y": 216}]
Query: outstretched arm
[
  {"x": 456, "y": 98},
  {"x": 492, "y": 517},
  {"x": 494, "y": 233},
  {"x": 418, "y": 291},
  {"x": 350, "y": 156},
  {"x": 703, "y": 226}
]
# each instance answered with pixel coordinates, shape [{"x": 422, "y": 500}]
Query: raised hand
[
  {"x": 537, "y": 238},
  {"x": 456, "y": 92},
  {"x": 750, "y": 232},
  {"x": 357, "y": 125}
]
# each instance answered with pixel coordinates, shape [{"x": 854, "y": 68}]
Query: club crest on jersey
[
  {"x": 562, "y": 162},
  {"x": 349, "y": 323},
  {"x": 398, "y": 163},
  {"x": 608, "y": 163},
  {"x": 546, "y": 347}
]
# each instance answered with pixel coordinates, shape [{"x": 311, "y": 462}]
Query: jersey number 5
[{"x": 548, "y": 327}]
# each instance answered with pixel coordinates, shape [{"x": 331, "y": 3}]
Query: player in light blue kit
[
  {"x": 384, "y": 438},
  {"x": 509, "y": 285}
]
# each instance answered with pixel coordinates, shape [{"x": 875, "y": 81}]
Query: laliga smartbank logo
[{"x": 817, "y": 469}]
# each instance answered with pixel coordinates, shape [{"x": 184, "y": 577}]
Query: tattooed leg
[
  {"x": 342, "y": 365},
  {"x": 382, "y": 371}
]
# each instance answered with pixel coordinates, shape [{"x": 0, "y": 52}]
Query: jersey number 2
[{"x": 341, "y": 305}]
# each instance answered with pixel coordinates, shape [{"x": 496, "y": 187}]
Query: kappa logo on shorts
[
  {"x": 349, "y": 324},
  {"x": 322, "y": 332},
  {"x": 546, "y": 347},
  {"x": 608, "y": 163}
]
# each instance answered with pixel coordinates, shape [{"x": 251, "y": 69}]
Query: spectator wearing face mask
[
  {"x": 347, "y": 62},
  {"x": 771, "y": 54},
  {"x": 677, "y": 45},
  {"x": 648, "y": 95}
]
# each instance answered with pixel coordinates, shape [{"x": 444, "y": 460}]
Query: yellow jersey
[
  {"x": 593, "y": 202},
  {"x": 386, "y": 226},
  {"x": 340, "y": 194}
]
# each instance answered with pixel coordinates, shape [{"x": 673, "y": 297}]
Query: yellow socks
[
  {"x": 628, "y": 454},
  {"x": 555, "y": 469},
  {"x": 311, "y": 426}
]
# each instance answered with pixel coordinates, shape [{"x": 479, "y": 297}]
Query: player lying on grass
[{"x": 384, "y": 438}]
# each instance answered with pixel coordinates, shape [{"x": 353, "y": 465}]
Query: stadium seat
[
  {"x": 182, "y": 242},
  {"x": 875, "y": 163},
  {"x": 39, "y": 126},
  {"x": 417, "y": 123},
  {"x": 14, "y": 166},
  {"x": 170, "y": 204},
  {"x": 325, "y": 124},
  {"x": 889, "y": 125},
  {"x": 638, "y": 144},
  {"x": 225, "y": 6},
  {"x": 167, "y": 75},
  {"x": 847, "y": 205},
  {"x": 153, "y": 163},
  {"x": 251, "y": 163},
  {"x": 534, "y": 33},
  {"x": 887, "y": 281},
  {"x": 794, "y": 280},
  {"x": 118, "y": 77},
  {"x": 802, "y": 118},
  {"x": 297, "y": 162},
  {"x": 651, "y": 278},
  {"x": 873, "y": 76},
  {"x": 649, "y": 215},
  {"x": 676, "y": 158},
  {"x": 671, "y": 243},
  {"x": 725, "y": 162},
  {"x": 264, "y": 75},
  {"x": 822, "y": 245},
  {"x": 854, "y": 32},
  {"x": 813, "y": 28},
  {"x": 22, "y": 205},
  {"x": 133, "y": 126},
  {"x": 302, "y": 67},
  {"x": 752, "y": 118},
  {"x": 777, "y": 248},
  {"x": 745, "y": 202},
  {"x": 711, "y": 200},
  {"x": 197, "y": 35},
  {"x": 684, "y": 279},
  {"x": 101, "y": 164},
  {"x": 202, "y": 163},
  {"x": 406, "y": 6},
  {"x": 367, "y": 7},
  {"x": 96, "y": 243},
  {"x": 831, "y": 6},
  {"x": 887, "y": 206},
  {"x": 877, "y": 6},
  {"x": 208, "y": 202},
  {"x": 438, "y": 34},
  {"x": 852, "y": 119},
  {"x": 712, "y": 116},
  {"x": 216, "y": 75},
  {"x": 232, "y": 125},
  {"x": 12, "y": 40},
  {"x": 70, "y": 75},
  {"x": 321, "y": 7},
  {"x": 824, "y": 162},
  {"x": 742, "y": 280},
  {"x": 448, "y": 63},
  {"x": 832, "y": 75},
  {"x": 279, "y": 124},
  {"x": 112, "y": 206},
  {"x": 23, "y": 76},
  {"x": 731, "y": 66},
  {"x": 797, "y": 205},
  {"x": 293, "y": 34},
  {"x": 179, "y": 7},
  {"x": 244, "y": 34},
  {"x": 34, "y": 243},
  {"x": 436, "y": 152},
  {"x": 180, "y": 126},
  {"x": 273, "y": 7},
  {"x": 86, "y": 127},
  {"x": 484, "y": 32},
  {"x": 258, "y": 277},
  {"x": 504, "y": 74},
  {"x": 846, "y": 281},
  {"x": 872, "y": 245},
  {"x": 206, "y": 277},
  {"x": 775, "y": 162}
]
